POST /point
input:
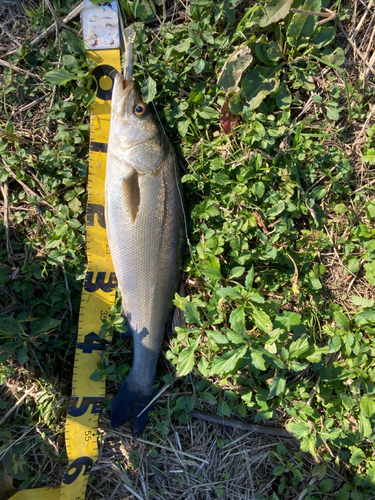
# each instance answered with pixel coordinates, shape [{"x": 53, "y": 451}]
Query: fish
[{"x": 145, "y": 229}]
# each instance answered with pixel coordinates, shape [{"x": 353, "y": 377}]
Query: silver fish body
[{"x": 145, "y": 229}]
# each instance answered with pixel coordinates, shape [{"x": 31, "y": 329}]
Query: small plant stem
[
  {"x": 263, "y": 429},
  {"x": 157, "y": 445},
  {"x": 17, "y": 404}
]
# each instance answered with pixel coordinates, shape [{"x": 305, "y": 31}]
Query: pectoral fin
[{"x": 132, "y": 195}]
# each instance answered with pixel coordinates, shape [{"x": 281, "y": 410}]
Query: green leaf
[
  {"x": 299, "y": 347},
  {"x": 275, "y": 11},
  {"x": 334, "y": 344},
  {"x": 277, "y": 386},
  {"x": 186, "y": 359},
  {"x": 370, "y": 272},
  {"x": 97, "y": 376},
  {"x": 45, "y": 325},
  {"x": 22, "y": 355},
  {"x": 302, "y": 25},
  {"x": 249, "y": 278},
  {"x": 333, "y": 114},
  {"x": 258, "y": 360},
  {"x": 365, "y": 317},
  {"x": 237, "y": 320},
  {"x": 183, "y": 126},
  {"x": 228, "y": 361},
  {"x": 323, "y": 36},
  {"x": 314, "y": 283},
  {"x": 364, "y": 425},
  {"x": 367, "y": 405},
  {"x": 258, "y": 83},
  {"x": 236, "y": 272},
  {"x": 341, "y": 319},
  {"x": 299, "y": 429},
  {"x": 71, "y": 63},
  {"x": 208, "y": 113},
  {"x": 357, "y": 456},
  {"x": 223, "y": 408},
  {"x": 207, "y": 397},
  {"x": 369, "y": 156},
  {"x": 217, "y": 337},
  {"x": 276, "y": 209},
  {"x": 148, "y": 89},
  {"x": 336, "y": 57},
  {"x": 199, "y": 66},
  {"x": 3, "y": 277},
  {"x": 370, "y": 207},
  {"x": 283, "y": 96},
  {"x": 191, "y": 313},
  {"x": 59, "y": 76},
  {"x": 16, "y": 464},
  {"x": 234, "y": 68},
  {"x": 342, "y": 495},
  {"x": 361, "y": 301},
  {"x": 75, "y": 44},
  {"x": 203, "y": 367},
  {"x": 235, "y": 338},
  {"x": 277, "y": 471},
  {"x": 149, "y": 7},
  {"x": 262, "y": 320},
  {"x": 316, "y": 356},
  {"x": 212, "y": 273},
  {"x": 228, "y": 291}
]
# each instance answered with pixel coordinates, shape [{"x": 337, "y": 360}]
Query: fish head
[
  {"x": 131, "y": 117},
  {"x": 136, "y": 139}
]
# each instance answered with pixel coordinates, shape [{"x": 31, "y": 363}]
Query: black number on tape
[
  {"x": 106, "y": 286},
  {"x": 92, "y": 342},
  {"x": 78, "y": 411},
  {"x": 92, "y": 209},
  {"x": 78, "y": 465},
  {"x": 98, "y": 72}
]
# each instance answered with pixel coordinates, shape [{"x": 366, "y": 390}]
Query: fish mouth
[{"x": 120, "y": 96}]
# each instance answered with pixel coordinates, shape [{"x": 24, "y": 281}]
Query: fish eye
[{"x": 140, "y": 109}]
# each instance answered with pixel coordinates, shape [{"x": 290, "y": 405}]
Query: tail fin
[{"x": 128, "y": 404}]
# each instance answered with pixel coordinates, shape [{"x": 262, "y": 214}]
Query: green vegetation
[{"x": 280, "y": 272}]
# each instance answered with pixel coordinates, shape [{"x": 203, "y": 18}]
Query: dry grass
[{"x": 189, "y": 464}]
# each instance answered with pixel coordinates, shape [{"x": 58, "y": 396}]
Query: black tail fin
[{"x": 127, "y": 406}]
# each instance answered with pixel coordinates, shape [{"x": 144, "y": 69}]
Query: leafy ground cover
[{"x": 271, "y": 113}]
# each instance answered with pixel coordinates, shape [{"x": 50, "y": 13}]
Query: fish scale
[{"x": 145, "y": 224}]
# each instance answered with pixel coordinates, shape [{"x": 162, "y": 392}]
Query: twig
[
  {"x": 4, "y": 191},
  {"x": 16, "y": 404},
  {"x": 132, "y": 491},
  {"x": 157, "y": 445},
  {"x": 48, "y": 3},
  {"x": 28, "y": 190},
  {"x": 16, "y": 68},
  {"x": 51, "y": 28},
  {"x": 330, "y": 15},
  {"x": 370, "y": 68},
  {"x": 163, "y": 389},
  {"x": 304, "y": 492},
  {"x": 67, "y": 288},
  {"x": 263, "y": 429},
  {"x": 32, "y": 104}
]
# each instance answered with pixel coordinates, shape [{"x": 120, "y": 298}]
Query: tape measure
[{"x": 101, "y": 35}]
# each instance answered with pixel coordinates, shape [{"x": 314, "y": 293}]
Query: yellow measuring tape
[{"x": 98, "y": 297}]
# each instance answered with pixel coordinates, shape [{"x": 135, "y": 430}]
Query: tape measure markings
[{"x": 98, "y": 296}]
